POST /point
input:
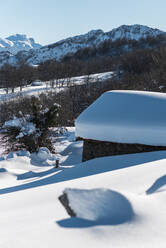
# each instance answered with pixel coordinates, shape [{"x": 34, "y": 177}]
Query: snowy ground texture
[{"x": 121, "y": 199}]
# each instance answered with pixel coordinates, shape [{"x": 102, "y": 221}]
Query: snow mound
[
  {"x": 100, "y": 205},
  {"x": 16, "y": 163},
  {"x": 43, "y": 154},
  {"x": 125, "y": 117},
  {"x": 43, "y": 157}
]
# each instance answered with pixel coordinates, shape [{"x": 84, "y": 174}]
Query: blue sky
[{"x": 51, "y": 20}]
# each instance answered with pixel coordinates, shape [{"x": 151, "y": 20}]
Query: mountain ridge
[{"x": 57, "y": 51}]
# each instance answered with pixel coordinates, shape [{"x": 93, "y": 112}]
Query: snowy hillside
[
  {"x": 134, "y": 32},
  {"x": 8, "y": 58},
  {"x": 39, "y": 87},
  {"x": 92, "y": 39},
  {"x": 33, "y": 53},
  {"x": 16, "y": 43},
  {"x": 119, "y": 200}
]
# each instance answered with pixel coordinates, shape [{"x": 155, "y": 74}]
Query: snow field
[{"x": 32, "y": 216}]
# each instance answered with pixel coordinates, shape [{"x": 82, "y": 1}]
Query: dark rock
[
  {"x": 94, "y": 149},
  {"x": 65, "y": 202}
]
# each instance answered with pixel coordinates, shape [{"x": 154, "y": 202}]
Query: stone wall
[{"x": 93, "y": 149}]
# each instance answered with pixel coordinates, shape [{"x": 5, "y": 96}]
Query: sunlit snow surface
[
  {"x": 32, "y": 216},
  {"x": 125, "y": 117},
  {"x": 100, "y": 206}
]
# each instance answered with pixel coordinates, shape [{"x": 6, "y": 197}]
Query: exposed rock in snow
[
  {"x": 101, "y": 205},
  {"x": 65, "y": 202}
]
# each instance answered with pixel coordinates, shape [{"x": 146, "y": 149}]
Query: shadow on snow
[
  {"x": 161, "y": 181},
  {"x": 91, "y": 167},
  {"x": 117, "y": 210}
]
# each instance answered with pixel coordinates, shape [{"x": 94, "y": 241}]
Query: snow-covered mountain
[
  {"x": 18, "y": 42},
  {"x": 93, "y": 38},
  {"x": 8, "y": 58},
  {"x": 134, "y": 32},
  {"x": 35, "y": 54}
]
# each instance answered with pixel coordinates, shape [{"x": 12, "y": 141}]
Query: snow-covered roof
[{"x": 125, "y": 117}]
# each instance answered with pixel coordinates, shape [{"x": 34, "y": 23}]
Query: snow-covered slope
[
  {"x": 92, "y": 39},
  {"x": 32, "y": 216},
  {"x": 68, "y": 46},
  {"x": 7, "y": 57},
  {"x": 126, "y": 117},
  {"x": 39, "y": 87},
  {"x": 134, "y": 32},
  {"x": 18, "y": 42}
]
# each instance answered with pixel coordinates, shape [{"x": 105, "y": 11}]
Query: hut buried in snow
[{"x": 121, "y": 122}]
